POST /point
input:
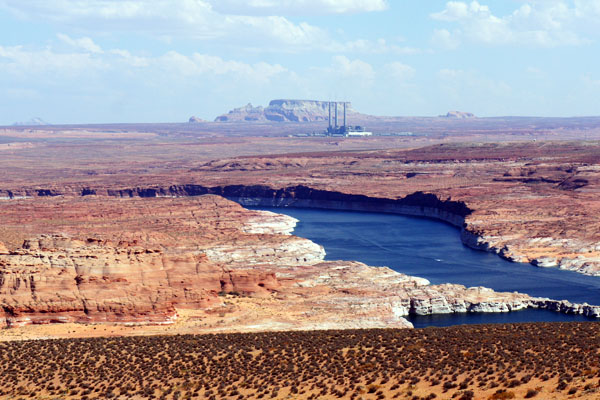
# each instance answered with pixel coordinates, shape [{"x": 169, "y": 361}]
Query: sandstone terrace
[{"x": 544, "y": 360}]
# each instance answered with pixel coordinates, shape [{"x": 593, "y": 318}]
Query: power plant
[{"x": 343, "y": 130}]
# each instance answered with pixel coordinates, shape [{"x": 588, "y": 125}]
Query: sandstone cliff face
[
  {"x": 135, "y": 261},
  {"x": 57, "y": 279},
  {"x": 284, "y": 110}
]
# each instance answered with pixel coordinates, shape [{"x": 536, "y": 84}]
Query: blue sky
[{"x": 84, "y": 61}]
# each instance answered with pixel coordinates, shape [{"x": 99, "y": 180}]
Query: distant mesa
[
  {"x": 282, "y": 110},
  {"x": 32, "y": 122},
  {"x": 458, "y": 115},
  {"x": 194, "y": 119}
]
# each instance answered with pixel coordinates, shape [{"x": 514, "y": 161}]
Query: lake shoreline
[{"x": 459, "y": 318}]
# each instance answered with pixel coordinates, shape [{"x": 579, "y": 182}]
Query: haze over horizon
[{"x": 161, "y": 61}]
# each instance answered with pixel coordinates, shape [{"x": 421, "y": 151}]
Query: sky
[{"x": 102, "y": 61}]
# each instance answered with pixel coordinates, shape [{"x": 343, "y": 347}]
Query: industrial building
[{"x": 344, "y": 130}]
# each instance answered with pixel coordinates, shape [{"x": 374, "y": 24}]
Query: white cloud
[
  {"x": 19, "y": 61},
  {"x": 84, "y": 43},
  {"x": 540, "y": 23},
  {"x": 457, "y": 10},
  {"x": 32, "y": 64},
  {"x": 587, "y": 8},
  {"x": 161, "y": 18},
  {"x": 130, "y": 59},
  {"x": 347, "y": 68},
  {"x": 444, "y": 39},
  {"x": 253, "y": 25},
  {"x": 267, "y": 30},
  {"x": 399, "y": 71},
  {"x": 202, "y": 64},
  {"x": 297, "y": 7},
  {"x": 379, "y": 46}
]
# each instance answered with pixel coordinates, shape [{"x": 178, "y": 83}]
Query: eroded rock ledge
[{"x": 419, "y": 203}]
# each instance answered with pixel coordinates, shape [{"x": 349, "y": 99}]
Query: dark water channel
[{"x": 432, "y": 249}]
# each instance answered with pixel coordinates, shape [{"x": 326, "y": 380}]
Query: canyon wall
[
  {"x": 95, "y": 259},
  {"x": 579, "y": 256}
]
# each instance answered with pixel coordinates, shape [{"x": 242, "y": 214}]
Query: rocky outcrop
[
  {"x": 37, "y": 121},
  {"x": 284, "y": 110},
  {"x": 194, "y": 119},
  {"x": 459, "y": 115},
  {"x": 270, "y": 223},
  {"x": 292, "y": 252},
  {"x": 248, "y": 113}
]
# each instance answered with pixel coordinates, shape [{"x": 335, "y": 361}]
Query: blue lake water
[{"x": 432, "y": 249}]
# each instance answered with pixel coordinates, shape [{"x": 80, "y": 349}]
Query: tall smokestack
[
  {"x": 336, "y": 107},
  {"x": 344, "y": 114},
  {"x": 329, "y": 115}
]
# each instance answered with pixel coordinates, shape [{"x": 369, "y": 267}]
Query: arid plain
[{"x": 120, "y": 230}]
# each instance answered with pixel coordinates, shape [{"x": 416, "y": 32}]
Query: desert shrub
[
  {"x": 449, "y": 385},
  {"x": 502, "y": 394},
  {"x": 531, "y": 393}
]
